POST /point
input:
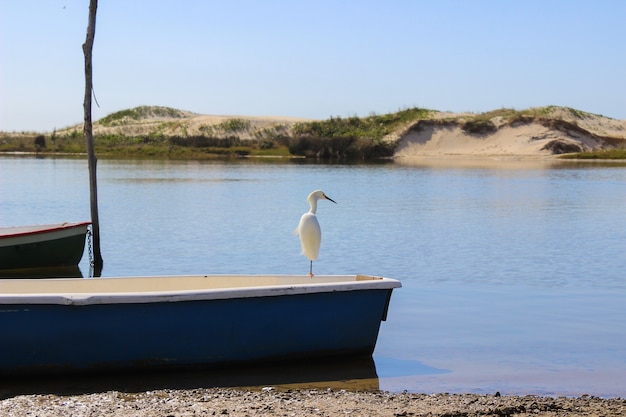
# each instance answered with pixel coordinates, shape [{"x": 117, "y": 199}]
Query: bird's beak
[{"x": 328, "y": 198}]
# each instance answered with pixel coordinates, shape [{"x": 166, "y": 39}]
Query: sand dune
[
  {"x": 531, "y": 140},
  {"x": 546, "y": 136},
  {"x": 537, "y": 132},
  {"x": 196, "y": 124}
]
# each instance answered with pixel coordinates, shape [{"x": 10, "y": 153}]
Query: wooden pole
[{"x": 91, "y": 154}]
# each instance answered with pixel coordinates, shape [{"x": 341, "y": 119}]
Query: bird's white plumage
[
  {"x": 310, "y": 235},
  {"x": 309, "y": 229}
]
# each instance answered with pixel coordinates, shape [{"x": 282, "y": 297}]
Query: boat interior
[{"x": 153, "y": 284}]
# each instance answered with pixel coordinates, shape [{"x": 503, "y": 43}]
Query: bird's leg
[{"x": 311, "y": 270}]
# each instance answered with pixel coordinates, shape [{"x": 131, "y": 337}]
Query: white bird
[{"x": 309, "y": 229}]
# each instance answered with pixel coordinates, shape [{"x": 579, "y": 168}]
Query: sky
[{"x": 312, "y": 59}]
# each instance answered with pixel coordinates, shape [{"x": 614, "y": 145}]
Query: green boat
[{"x": 42, "y": 246}]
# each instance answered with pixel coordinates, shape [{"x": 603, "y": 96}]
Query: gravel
[{"x": 295, "y": 403}]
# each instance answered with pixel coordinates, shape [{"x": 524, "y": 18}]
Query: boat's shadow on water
[
  {"x": 350, "y": 374},
  {"x": 50, "y": 272}
]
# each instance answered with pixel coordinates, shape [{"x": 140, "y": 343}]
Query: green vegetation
[
  {"x": 175, "y": 147},
  {"x": 342, "y": 138},
  {"x": 352, "y": 137},
  {"x": 373, "y": 127},
  {"x": 123, "y": 117},
  {"x": 234, "y": 125},
  {"x": 479, "y": 126},
  {"x": 512, "y": 116}
]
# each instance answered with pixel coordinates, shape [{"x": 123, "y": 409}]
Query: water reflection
[
  {"x": 505, "y": 162},
  {"x": 355, "y": 374},
  {"x": 49, "y": 272}
]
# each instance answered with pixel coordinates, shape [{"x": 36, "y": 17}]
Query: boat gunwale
[
  {"x": 40, "y": 229},
  {"x": 338, "y": 283}
]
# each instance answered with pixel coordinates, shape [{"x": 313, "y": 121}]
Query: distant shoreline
[{"x": 162, "y": 132}]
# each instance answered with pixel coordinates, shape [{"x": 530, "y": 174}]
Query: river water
[{"x": 513, "y": 272}]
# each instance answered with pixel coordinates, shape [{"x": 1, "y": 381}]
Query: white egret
[{"x": 309, "y": 229}]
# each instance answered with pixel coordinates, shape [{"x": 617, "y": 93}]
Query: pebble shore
[{"x": 299, "y": 403}]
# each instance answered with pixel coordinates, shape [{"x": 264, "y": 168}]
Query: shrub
[
  {"x": 40, "y": 141},
  {"x": 479, "y": 127}
]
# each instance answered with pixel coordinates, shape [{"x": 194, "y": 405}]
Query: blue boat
[{"x": 127, "y": 323}]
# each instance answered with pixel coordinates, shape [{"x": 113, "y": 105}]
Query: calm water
[{"x": 513, "y": 272}]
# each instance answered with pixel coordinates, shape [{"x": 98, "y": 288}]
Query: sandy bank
[
  {"x": 452, "y": 140},
  {"x": 528, "y": 140},
  {"x": 543, "y": 133}
]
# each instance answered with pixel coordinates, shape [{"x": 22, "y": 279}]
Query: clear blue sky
[{"x": 310, "y": 58}]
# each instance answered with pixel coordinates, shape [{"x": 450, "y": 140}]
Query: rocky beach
[{"x": 298, "y": 403}]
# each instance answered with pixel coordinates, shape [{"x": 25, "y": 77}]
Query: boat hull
[
  {"x": 170, "y": 332},
  {"x": 42, "y": 246}
]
